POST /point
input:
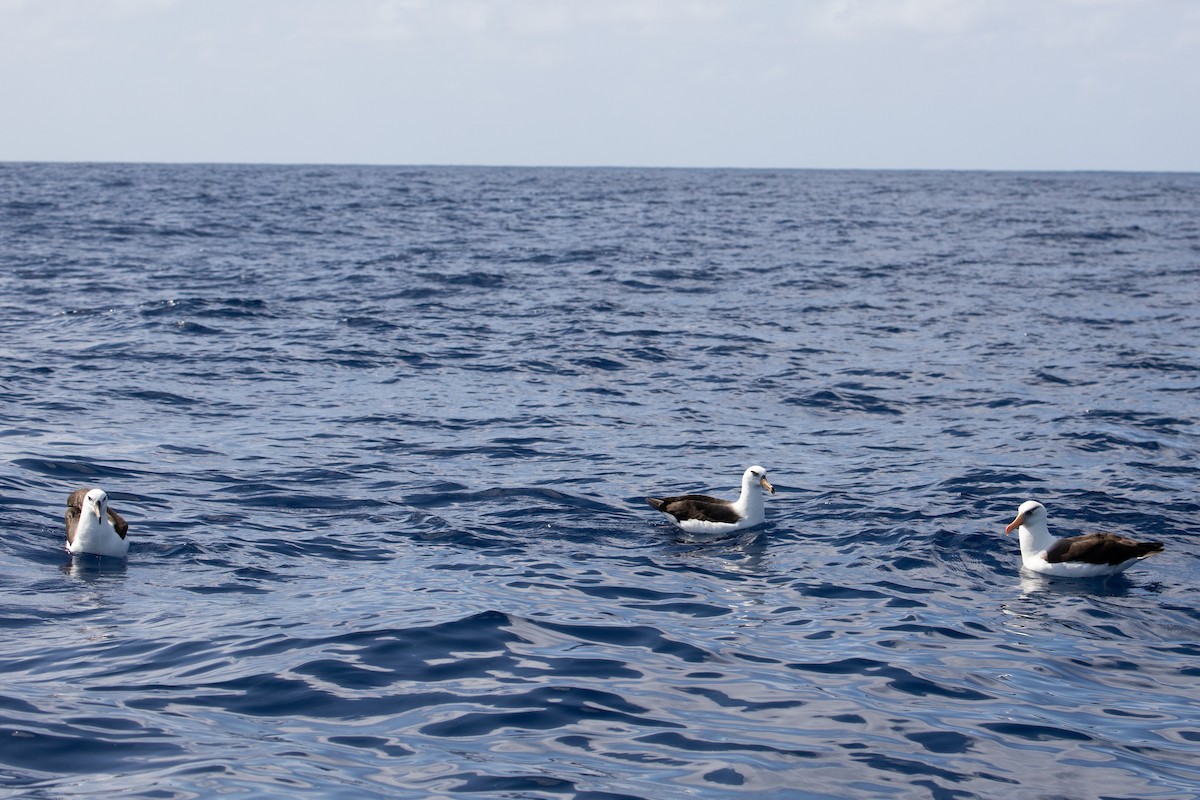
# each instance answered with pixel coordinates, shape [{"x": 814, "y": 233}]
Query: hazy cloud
[{"x": 905, "y": 83}]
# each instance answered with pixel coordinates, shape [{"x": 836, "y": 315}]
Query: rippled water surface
[{"x": 382, "y": 436}]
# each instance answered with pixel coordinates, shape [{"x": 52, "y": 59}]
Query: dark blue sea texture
[{"x": 383, "y": 435}]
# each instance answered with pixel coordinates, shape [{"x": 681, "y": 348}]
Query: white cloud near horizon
[{"x": 958, "y": 84}]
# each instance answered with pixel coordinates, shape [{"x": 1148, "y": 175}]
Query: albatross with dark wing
[
  {"x": 699, "y": 513},
  {"x": 1088, "y": 556},
  {"x": 93, "y": 527}
]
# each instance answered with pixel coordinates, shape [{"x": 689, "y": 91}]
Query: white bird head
[
  {"x": 1030, "y": 511},
  {"x": 757, "y": 474},
  {"x": 96, "y": 501}
]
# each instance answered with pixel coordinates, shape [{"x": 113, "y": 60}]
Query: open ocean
[{"x": 383, "y": 435}]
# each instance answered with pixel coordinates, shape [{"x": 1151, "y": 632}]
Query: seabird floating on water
[
  {"x": 1088, "y": 556},
  {"x": 699, "y": 513},
  {"x": 93, "y": 527}
]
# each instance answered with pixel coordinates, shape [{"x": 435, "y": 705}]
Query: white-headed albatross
[
  {"x": 93, "y": 527},
  {"x": 699, "y": 513},
  {"x": 1088, "y": 556}
]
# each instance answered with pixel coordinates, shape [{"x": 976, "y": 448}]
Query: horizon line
[{"x": 693, "y": 168}]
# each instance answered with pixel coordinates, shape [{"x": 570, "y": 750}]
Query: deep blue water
[{"x": 382, "y": 436}]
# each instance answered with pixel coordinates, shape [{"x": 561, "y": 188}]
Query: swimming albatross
[
  {"x": 699, "y": 513},
  {"x": 1087, "y": 556},
  {"x": 93, "y": 527}
]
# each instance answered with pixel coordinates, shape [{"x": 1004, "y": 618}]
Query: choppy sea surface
[{"x": 382, "y": 436}]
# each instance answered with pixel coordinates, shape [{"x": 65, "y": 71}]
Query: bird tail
[
  {"x": 1149, "y": 548},
  {"x": 656, "y": 503}
]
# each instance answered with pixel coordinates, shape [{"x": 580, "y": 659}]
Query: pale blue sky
[{"x": 958, "y": 84}]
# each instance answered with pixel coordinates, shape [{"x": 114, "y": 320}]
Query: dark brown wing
[
  {"x": 1100, "y": 548},
  {"x": 695, "y": 506},
  {"x": 74, "y": 509},
  {"x": 118, "y": 522},
  {"x": 72, "y": 523},
  {"x": 75, "y": 498}
]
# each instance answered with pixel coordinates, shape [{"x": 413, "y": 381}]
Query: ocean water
[{"x": 382, "y": 436}]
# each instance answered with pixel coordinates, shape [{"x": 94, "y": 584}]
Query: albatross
[
  {"x": 699, "y": 513},
  {"x": 93, "y": 527},
  {"x": 1088, "y": 556}
]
